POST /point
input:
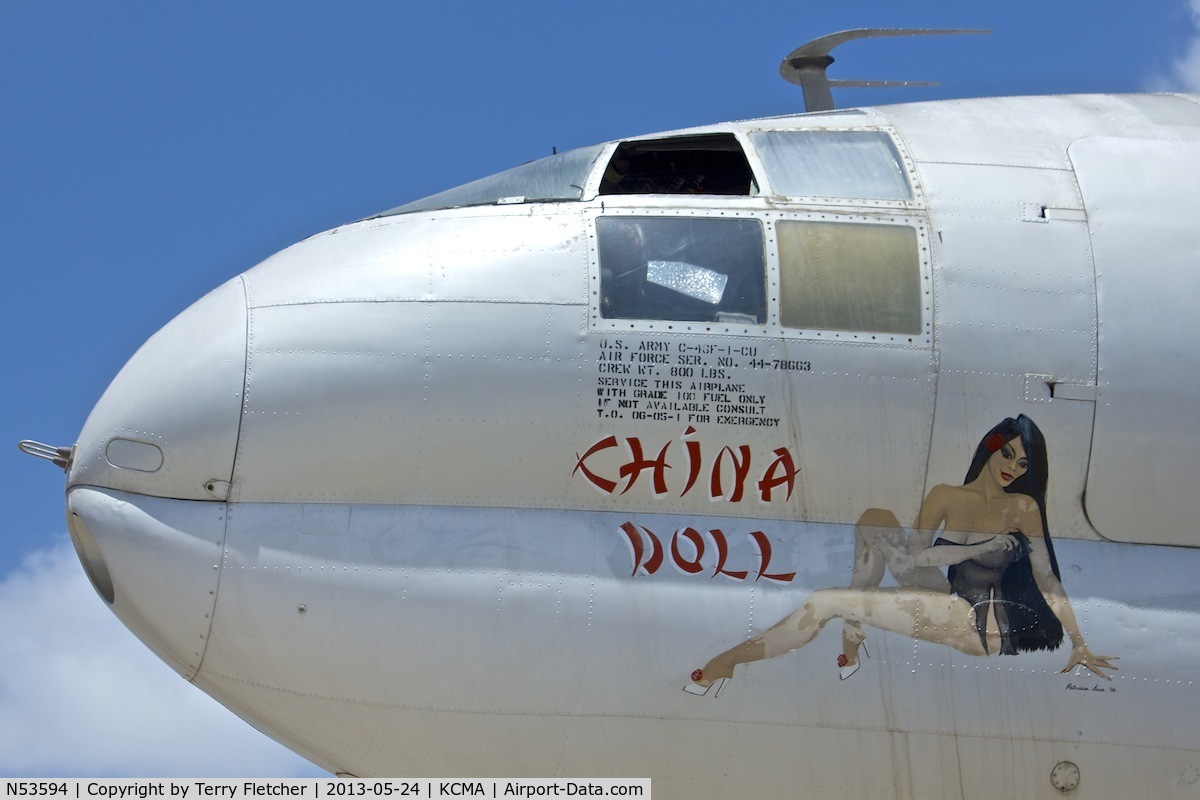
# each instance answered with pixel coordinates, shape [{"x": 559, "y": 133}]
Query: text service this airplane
[{"x": 622, "y": 463}]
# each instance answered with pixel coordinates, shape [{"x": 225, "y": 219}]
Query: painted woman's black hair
[{"x": 1032, "y": 625}]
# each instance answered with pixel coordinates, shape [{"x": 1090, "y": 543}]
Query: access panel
[{"x": 1141, "y": 199}]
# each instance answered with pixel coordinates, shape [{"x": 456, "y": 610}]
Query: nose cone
[
  {"x": 168, "y": 424},
  {"x": 151, "y": 470}
]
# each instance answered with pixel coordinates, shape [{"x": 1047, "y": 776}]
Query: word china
[{"x": 727, "y": 472}]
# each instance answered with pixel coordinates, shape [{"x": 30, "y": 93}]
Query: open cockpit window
[
  {"x": 699, "y": 269},
  {"x": 711, "y": 164}
]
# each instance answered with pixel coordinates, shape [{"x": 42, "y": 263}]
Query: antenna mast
[{"x": 806, "y": 65}]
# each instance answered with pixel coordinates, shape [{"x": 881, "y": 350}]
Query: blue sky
[{"x": 150, "y": 151}]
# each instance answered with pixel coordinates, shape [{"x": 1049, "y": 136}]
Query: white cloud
[
  {"x": 1185, "y": 73},
  {"x": 81, "y": 697}
]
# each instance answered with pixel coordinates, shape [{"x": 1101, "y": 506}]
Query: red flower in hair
[{"x": 995, "y": 442}]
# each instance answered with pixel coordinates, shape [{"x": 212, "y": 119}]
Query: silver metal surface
[{"x": 424, "y": 509}]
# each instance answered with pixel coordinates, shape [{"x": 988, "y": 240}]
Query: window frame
[
  {"x": 681, "y": 142},
  {"x": 768, "y": 189},
  {"x": 913, "y": 222},
  {"x": 772, "y": 328},
  {"x": 768, "y": 207},
  {"x": 660, "y": 211}
]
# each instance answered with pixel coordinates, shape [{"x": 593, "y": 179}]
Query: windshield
[
  {"x": 557, "y": 177},
  {"x": 858, "y": 164}
]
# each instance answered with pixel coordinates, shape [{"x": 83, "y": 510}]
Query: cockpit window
[
  {"x": 711, "y": 164},
  {"x": 849, "y": 276},
  {"x": 557, "y": 177},
  {"x": 681, "y": 268},
  {"x": 843, "y": 164}
]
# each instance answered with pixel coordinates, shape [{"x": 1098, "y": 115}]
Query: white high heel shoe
[
  {"x": 700, "y": 689},
  {"x": 847, "y": 669}
]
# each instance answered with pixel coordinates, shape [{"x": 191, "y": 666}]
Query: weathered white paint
[{"x": 414, "y": 574}]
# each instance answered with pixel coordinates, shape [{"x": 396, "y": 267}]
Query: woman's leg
[
  {"x": 877, "y": 534},
  {"x": 922, "y": 614},
  {"x": 881, "y": 543}
]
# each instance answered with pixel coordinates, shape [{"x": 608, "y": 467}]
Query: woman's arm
[
  {"x": 1052, "y": 590},
  {"x": 921, "y": 549},
  {"x": 930, "y": 518}
]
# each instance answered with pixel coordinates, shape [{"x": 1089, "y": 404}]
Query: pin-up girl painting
[{"x": 989, "y": 533}]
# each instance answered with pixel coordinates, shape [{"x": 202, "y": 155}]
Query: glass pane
[
  {"x": 849, "y": 277},
  {"x": 858, "y": 164},
  {"x": 671, "y": 268},
  {"x": 558, "y": 177}
]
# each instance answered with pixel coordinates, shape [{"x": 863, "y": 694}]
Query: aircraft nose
[
  {"x": 156, "y": 562},
  {"x": 150, "y": 473},
  {"x": 168, "y": 424}
]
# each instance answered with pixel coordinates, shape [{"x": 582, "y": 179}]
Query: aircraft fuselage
[{"x": 475, "y": 490}]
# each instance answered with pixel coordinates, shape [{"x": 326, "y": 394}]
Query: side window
[
  {"x": 711, "y": 164},
  {"x": 849, "y": 277},
  {"x": 849, "y": 164},
  {"x": 681, "y": 268}
]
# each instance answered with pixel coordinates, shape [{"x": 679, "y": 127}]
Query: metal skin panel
[
  {"x": 474, "y": 527},
  {"x": 512, "y": 395},
  {"x": 1015, "y": 132},
  {"x": 1141, "y": 198},
  {"x": 406, "y": 424},
  {"x": 180, "y": 392},
  {"x": 856, "y": 405},
  {"x": 1016, "y": 310},
  {"x": 346, "y": 353},
  {"x": 163, "y": 557},
  {"x": 484, "y": 254},
  {"x": 1015, "y": 292},
  {"x": 415, "y": 627},
  {"x": 485, "y": 432}
]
